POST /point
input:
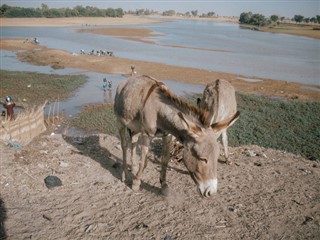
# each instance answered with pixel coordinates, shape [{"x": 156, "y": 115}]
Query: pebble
[
  {"x": 63, "y": 164},
  {"x": 52, "y": 181}
]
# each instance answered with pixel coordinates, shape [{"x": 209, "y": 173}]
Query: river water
[
  {"x": 249, "y": 53},
  {"x": 246, "y": 52}
]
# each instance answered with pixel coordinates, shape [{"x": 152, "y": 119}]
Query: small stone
[
  {"x": 63, "y": 164},
  {"x": 52, "y": 181},
  {"x": 168, "y": 237},
  {"x": 250, "y": 153},
  {"x": 307, "y": 219}
]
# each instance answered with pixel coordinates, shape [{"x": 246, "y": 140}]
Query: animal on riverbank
[
  {"x": 219, "y": 100},
  {"x": 147, "y": 107}
]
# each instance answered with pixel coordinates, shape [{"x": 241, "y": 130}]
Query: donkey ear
[
  {"x": 193, "y": 128},
  {"x": 216, "y": 127}
]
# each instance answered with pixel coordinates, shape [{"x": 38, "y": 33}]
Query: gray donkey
[
  {"x": 219, "y": 100},
  {"x": 147, "y": 108}
]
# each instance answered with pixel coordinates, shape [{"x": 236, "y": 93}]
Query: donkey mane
[
  {"x": 189, "y": 109},
  {"x": 200, "y": 114}
]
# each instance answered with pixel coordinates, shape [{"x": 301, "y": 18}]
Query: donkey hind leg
[
  {"x": 144, "y": 151},
  {"x": 166, "y": 143},
  {"x": 124, "y": 146},
  {"x": 134, "y": 139}
]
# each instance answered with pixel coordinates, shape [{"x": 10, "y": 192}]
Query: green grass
[
  {"x": 37, "y": 87},
  {"x": 278, "y": 124},
  {"x": 96, "y": 118}
]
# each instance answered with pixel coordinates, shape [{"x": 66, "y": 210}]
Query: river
[{"x": 246, "y": 52}]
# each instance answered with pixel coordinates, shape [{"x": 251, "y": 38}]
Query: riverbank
[
  {"x": 304, "y": 30},
  {"x": 40, "y": 55},
  {"x": 76, "y": 21}
]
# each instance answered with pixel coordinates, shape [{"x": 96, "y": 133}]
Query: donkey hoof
[
  {"x": 136, "y": 184},
  {"x": 165, "y": 191},
  {"x": 123, "y": 177}
]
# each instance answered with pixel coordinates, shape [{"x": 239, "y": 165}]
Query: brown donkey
[
  {"x": 145, "y": 106},
  {"x": 219, "y": 100}
]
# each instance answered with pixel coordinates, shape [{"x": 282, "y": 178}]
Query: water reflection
[{"x": 108, "y": 96}]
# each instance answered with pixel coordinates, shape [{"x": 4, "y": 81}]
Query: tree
[
  {"x": 169, "y": 13},
  {"x": 3, "y": 9},
  {"x": 318, "y": 18},
  {"x": 313, "y": 19},
  {"x": 194, "y": 13},
  {"x": 298, "y": 18},
  {"x": 274, "y": 18},
  {"x": 245, "y": 17},
  {"x": 258, "y": 20}
]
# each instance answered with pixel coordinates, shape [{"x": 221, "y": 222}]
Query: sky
[{"x": 286, "y": 8}]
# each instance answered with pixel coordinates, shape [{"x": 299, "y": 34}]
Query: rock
[
  {"x": 250, "y": 153},
  {"x": 168, "y": 237},
  {"x": 257, "y": 164},
  {"x": 63, "y": 164},
  {"x": 262, "y": 155},
  {"x": 52, "y": 181},
  {"x": 307, "y": 219}
]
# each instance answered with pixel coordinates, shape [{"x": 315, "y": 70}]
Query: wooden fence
[{"x": 27, "y": 125}]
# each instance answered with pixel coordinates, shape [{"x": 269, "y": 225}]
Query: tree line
[
  {"x": 260, "y": 20},
  {"x": 46, "y": 12}
]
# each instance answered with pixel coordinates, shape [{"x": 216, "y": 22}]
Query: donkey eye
[{"x": 204, "y": 159}]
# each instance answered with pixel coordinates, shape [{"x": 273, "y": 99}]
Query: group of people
[
  {"x": 107, "y": 85},
  {"x": 33, "y": 41},
  {"x": 98, "y": 52}
]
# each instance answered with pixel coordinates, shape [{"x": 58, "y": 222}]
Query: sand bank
[
  {"x": 40, "y": 55},
  {"x": 77, "y": 21}
]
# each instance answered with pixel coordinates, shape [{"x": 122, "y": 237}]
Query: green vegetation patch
[
  {"x": 38, "y": 87},
  {"x": 97, "y": 118},
  {"x": 278, "y": 124}
]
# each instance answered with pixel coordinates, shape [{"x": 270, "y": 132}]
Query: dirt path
[{"x": 267, "y": 194}]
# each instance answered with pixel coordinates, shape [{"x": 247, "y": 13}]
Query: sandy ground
[{"x": 266, "y": 194}]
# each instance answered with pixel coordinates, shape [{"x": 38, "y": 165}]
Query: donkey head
[{"x": 201, "y": 152}]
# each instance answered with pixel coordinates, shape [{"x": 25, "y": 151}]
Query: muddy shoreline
[{"x": 40, "y": 55}]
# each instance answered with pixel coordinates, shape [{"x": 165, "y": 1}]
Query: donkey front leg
[
  {"x": 166, "y": 143},
  {"x": 144, "y": 151},
  {"x": 225, "y": 146},
  {"x": 134, "y": 139}
]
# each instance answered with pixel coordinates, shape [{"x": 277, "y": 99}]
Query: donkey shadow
[{"x": 90, "y": 146}]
